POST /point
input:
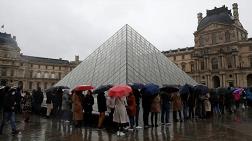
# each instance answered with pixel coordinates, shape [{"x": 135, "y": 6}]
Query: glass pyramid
[{"x": 126, "y": 57}]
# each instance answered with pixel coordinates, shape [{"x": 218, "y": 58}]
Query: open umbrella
[
  {"x": 102, "y": 88},
  {"x": 201, "y": 89},
  {"x": 137, "y": 85},
  {"x": 150, "y": 89},
  {"x": 56, "y": 88},
  {"x": 169, "y": 89},
  {"x": 83, "y": 88},
  {"x": 119, "y": 91}
]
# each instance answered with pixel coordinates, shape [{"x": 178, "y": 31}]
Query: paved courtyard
[{"x": 236, "y": 127}]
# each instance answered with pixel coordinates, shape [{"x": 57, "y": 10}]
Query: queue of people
[{"x": 77, "y": 107}]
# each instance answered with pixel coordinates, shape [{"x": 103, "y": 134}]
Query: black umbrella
[
  {"x": 56, "y": 89},
  {"x": 102, "y": 88},
  {"x": 201, "y": 89},
  {"x": 169, "y": 89}
]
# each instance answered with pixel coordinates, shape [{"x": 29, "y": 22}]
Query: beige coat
[
  {"x": 120, "y": 113},
  {"x": 176, "y": 102},
  {"x": 77, "y": 108},
  {"x": 155, "y": 105}
]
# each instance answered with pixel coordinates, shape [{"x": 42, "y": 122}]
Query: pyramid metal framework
[{"x": 124, "y": 58}]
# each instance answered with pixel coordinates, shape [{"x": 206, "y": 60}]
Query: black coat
[
  {"x": 49, "y": 97},
  {"x": 9, "y": 101},
  {"x": 101, "y": 101},
  {"x": 38, "y": 97},
  {"x": 88, "y": 104}
]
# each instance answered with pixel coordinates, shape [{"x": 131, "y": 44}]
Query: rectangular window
[
  {"x": 183, "y": 56},
  {"x": 250, "y": 61},
  {"x": 202, "y": 65},
  {"x": 174, "y": 58},
  {"x": 30, "y": 85},
  {"x": 59, "y": 75},
  {"x": 45, "y": 85},
  {"x": 4, "y": 72}
]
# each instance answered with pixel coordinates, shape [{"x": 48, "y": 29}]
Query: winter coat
[
  {"x": 131, "y": 102},
  {"x": 155, "y": 105},
  {"x": 27, "y": 102},
  {"x": 165, "y": 100},
  {"x": 101, "y": 101},
  {"x": 120, "y": 113},
  {"x": 137, "y": 95},
  {"x": 89, "y": 102},
  {"x": 38, "y": 97},
  {"x": 49, "y": 97},
  {"x": 77, "y": 107},
  {"x": 66, "y": 101},
  {"x": 9, "y": 101},
  {"x": 176, "y": 102}
]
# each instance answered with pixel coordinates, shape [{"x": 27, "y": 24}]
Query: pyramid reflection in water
[{"x": 126, "y": 57}]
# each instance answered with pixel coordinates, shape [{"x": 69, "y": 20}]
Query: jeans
[
  {"x": 132, "y": 121},
  {"x": 8, "y": 116},
  {"x": 137, "y": 114},
  {"x": 165, "y": 114}
]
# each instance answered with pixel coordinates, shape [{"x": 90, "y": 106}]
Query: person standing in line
[
  {"x": 177, "y": 106},
  {"x": 120, "y": 114},
  {"x": 49, "y": 104},
  {"x": 138, "y": 96},
  {"x": 77, "y": 108},
  {"x": 66, "y": 105},
  {"x": 131, "y": 109},
  {"x": 88, "y": 108},
  {"x": 207, "y": 106},
  {"x": 9, "y": 110},
  {"x": 102, "y": 108},
  {"x": 38, "y": 99},
  {"x": 111, "y": 108},
  {"x": 155, "y": 109},
  {"x": 27, "y": 102},
  {"x": 165, "y": 107}
]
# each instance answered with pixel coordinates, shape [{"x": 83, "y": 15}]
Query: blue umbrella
[
  {"x": 102, "y": 88},
  {"x": 185, "y": 89},
  {"x": 150, "y": 89}
]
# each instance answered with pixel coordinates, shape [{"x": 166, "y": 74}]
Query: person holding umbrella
[
  {"x": 131, "y": 109},
  {"x": 77, "y": 102},
  {"x": 102, "y": 108},
  {"x": 88, "y": 107},
  {"x": 66, "y": 105},
  {"x": 155, "y": 109},
  {"x": 177, "y": 106},
  {"x": 120, "y": 114}
]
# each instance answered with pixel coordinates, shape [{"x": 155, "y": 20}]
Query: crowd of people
[{"x": 77, "y": 106}]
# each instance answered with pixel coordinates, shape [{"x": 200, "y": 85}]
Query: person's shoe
[
  {"x": 118, "y": 133},
  {"x": 162, "y": 123},
  {"x": 168, "y": 123},
  {"x": 126, "y": 128},
  {"x": 138, "y": 127},
  {"x": 131, "y": 129},
  {"x": 122, "y": 134},
  {"x": 15, "y": 132},
  {"x": 67, "y": 121}
]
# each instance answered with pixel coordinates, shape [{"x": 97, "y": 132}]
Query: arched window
[
  {"x": 53, "y": 75},
  {"x": 214, "y": 63},
  {"x": 227, "y": 36}
]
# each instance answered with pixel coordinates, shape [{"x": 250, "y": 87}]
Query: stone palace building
[
  {"x": 222, "y": 54},
  {"x": 29, "y": 72}
]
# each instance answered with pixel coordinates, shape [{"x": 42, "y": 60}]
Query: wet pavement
[{"x": 236, "y": 127}]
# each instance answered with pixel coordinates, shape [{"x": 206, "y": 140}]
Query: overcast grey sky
[{"x": 64, "y": 28}]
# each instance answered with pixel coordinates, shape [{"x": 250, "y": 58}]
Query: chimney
[
  {"x": 77, "y": 58},
  {"x": 235, "y": 11},
  {"x": 14, "y": 37},
  {"x": 199, "y": 17}
]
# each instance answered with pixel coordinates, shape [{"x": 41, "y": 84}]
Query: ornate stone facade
[
  {"x": 29, "y": 72},
  {"x": 222, "y": 55}
]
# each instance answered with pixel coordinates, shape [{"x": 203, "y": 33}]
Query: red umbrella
[
  {"x": 83, "y": 88},
  {"x": 119, "y": 91}
]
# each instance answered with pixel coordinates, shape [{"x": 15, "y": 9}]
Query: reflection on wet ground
[{"x": 236, "y": 127}]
